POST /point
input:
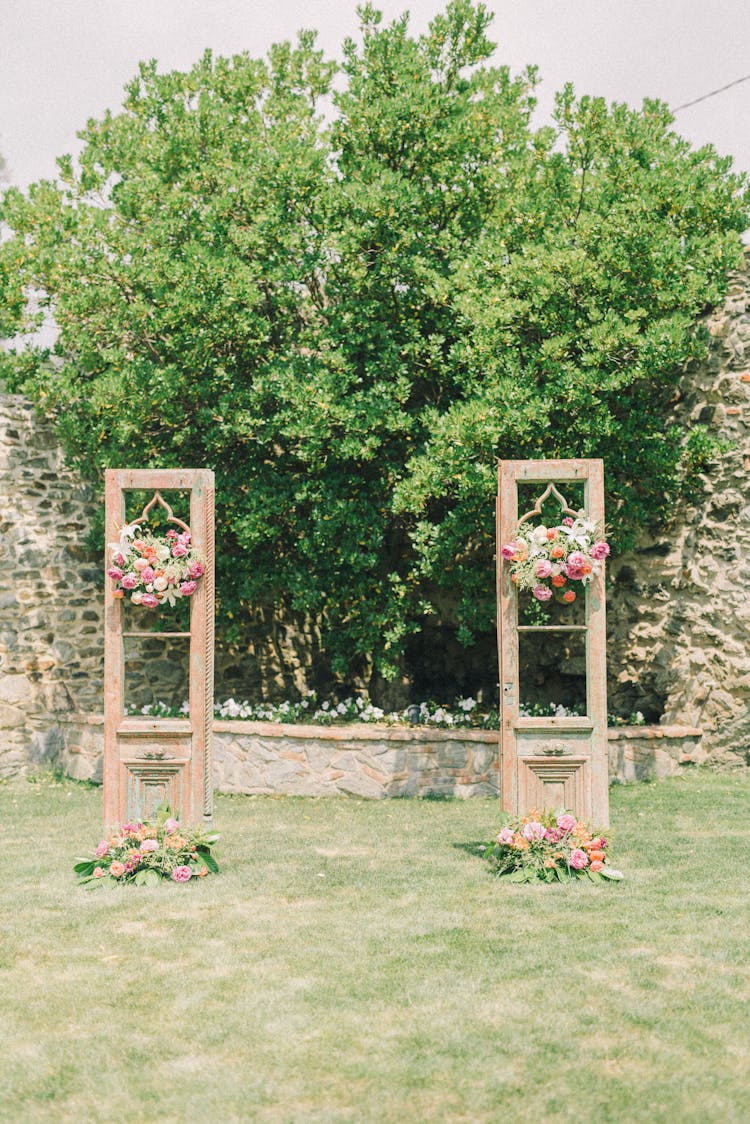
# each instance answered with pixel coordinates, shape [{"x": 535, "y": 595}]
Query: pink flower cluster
[
  {"x": 154, "y": 570},
  {"x": 547, "y": 561},
  {"x": 549, "y": 846}
]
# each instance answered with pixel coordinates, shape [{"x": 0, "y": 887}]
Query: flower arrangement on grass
[
  {"x": 550, "y": 847},
  {"x": 551, "y": 561},
  {"x": 147, "y": 852},
  {"x": 153, "y": 570}
]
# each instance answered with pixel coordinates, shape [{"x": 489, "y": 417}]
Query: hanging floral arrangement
[
  {"x": 154, "y": 570},
  {"x": 556, "y": 562}
]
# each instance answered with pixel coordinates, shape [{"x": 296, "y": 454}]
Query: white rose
[
  {"x": 137, "y": 597},
  {"x": 539, "y": 535},
  {"x": 162, "y": 553},
  {"x": 160, "y": 583}
]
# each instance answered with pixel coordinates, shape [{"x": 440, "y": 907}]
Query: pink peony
[
  {"x": 553, "y": 835},
  {"x": 170, "y": 826},
  {"x": 184, "y": 538},
  {"x": 148, "y": 574},
  {"x": 188, "y": 588},
  {"x": 179, "y": 550},
  {"x": 114, "y": 573},
  {"x": 171, "y": 534},
  {"x": 509, "y": 551},
  {"x": 566, "y": 822},
  {"x": 600, "y": 550},
  {"x": 567, "y": 522},
  {"x": 129, "y": 581},
  {"x": 149, "y": 845},
  {"x": 577, "y": 559},
  {"x": 141, "y": 564},
  {"x": 118, "y": 560},
  {"x": 541, "y": 592},
  {"x": 575, "y": 573},
  {"x": 149, "y": 600},
  {"x": 197, "y": 570},
  {"x": 183, "y": 873},
  {"x": 102, "y": 849},
  {"x": 543, "y": 569},
  {"x": 578, "y": 859},
  {"x": 505, "y": 837}
]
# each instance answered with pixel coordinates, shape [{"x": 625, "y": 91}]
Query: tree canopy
[{"x": 350, "y": 316}]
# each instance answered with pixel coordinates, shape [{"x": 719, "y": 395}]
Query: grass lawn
[{"x": 353, "y": 962}]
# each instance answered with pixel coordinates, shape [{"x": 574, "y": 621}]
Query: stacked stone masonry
[{"x": 678, "y": 612}]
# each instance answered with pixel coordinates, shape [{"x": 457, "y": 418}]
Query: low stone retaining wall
[{"x": 374, "y": 761}]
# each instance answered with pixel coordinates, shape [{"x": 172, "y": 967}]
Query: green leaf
[
  {"x": 610, "y": 873},
  {"x": 208, "y": 860},
  {"x": 85, "y": 866}
]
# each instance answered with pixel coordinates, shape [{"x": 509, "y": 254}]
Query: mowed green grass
[{"x": 355, "y": 962}]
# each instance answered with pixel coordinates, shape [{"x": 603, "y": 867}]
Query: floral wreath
[
  {"x": 550, "y": 561},
  {"x": 154, "y": 570}
]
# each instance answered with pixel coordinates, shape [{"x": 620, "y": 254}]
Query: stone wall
[
  {"x": 264, "y": 758},
  {"x": 678, "y": 607}
]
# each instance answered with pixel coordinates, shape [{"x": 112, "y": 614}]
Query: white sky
[{"x": 63, "y": 61}]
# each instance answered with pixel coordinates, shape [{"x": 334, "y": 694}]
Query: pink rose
[
  {"x": 578, "y": 859},
  {"x": 102, "y": 849},
  {"x": 543, "y": 569},
  {"x": 171, "y": 534},
  {"x": 566, "y": 822},
  {"x": 541, "y": 592},
  {"x": 149, "y": 600},
  {"x": 600, "y": 550},
  {"x": 509, "y": 551},
  {"x": 141, "y": 564},
  {"x": 577, "y": 559},
  {"x": 575, "y": 573},
  {"x": 148, "y": 574},
  {"x": 532, "y": 831},
  {"x": 115, "y": 574},
  {"x": 183, "y": 873},
  {"x": 129, "y": 581},
  {"x": 505, "y": 837},
  {"x": 118, "y": 560},
  {"x": 188, "y": 588},
  {"x": 149, "y": 845},
  {"x": 170, "y": 827},
  {"x": 98, "y": 872},
  {"x": 567, "y": 522},
  {"x": 179, "y": 550},
  {"x": 184, "y": 538},
  {"x": 197, "y": 570}
]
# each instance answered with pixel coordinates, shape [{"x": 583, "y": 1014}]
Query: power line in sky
[{"x": 711, "y": 94}]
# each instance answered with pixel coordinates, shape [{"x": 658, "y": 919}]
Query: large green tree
[{"x": 352, "y": 319}]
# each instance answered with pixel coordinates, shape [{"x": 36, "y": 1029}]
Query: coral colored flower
[
  {"x": 597, "y": 864},
  {"x": 578, "y": 859},
  {"x": 552, "y": 533},
  {"x": 557, "y": 552},
  {"x": 188, "y": 588},
  {"x": 559, "y": 580},
  {"x": 197, "y": 570},
  {"x": 543, "y": 569},
  {"x": 600, "y": 550},
  {"x": 202, "y": 871},
  {"x": 117, "y": 869},
  {"x": 541, "y": 592},
  {"x": 184, "y": 873},
  {"x": 569, "y": 596},
  {"x": 139, "y": 544},
  {"x": 98, "y": 872},
  {"x": 566, "y": 822},
  {"x": 575, "y": 573},
  {"x": 118, "y": 594},
  {"x": 102, "y": 849}
]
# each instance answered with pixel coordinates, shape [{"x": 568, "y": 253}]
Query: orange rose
[
  {"x": 118, "y": 594},
  {"x": 569, "y": 596},
  {"x": 116, "y": 869},
  {"x": 557, "y": 552},
  {"x": 552, "y": 534},
  {"x": 597, "y": 864},
  {"x": 596, "y": 856},
  {"x": 559, "y": 580}
]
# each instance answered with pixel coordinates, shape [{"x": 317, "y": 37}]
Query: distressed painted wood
[
  {"x": 148, "y": 761},
  {"x": 552, "y": 762}
]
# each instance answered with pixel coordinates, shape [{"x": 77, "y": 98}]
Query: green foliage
[{"x": 350, "y": 323}]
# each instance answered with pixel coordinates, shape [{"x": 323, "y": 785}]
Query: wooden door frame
[
  {"x": 159, "y": 745},
  {"x": 553, "y": 734}
]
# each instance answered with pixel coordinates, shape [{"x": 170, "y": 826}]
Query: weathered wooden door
[
  {"x": 552, "y": 762},
  {"x": 151, "y": 760}
]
